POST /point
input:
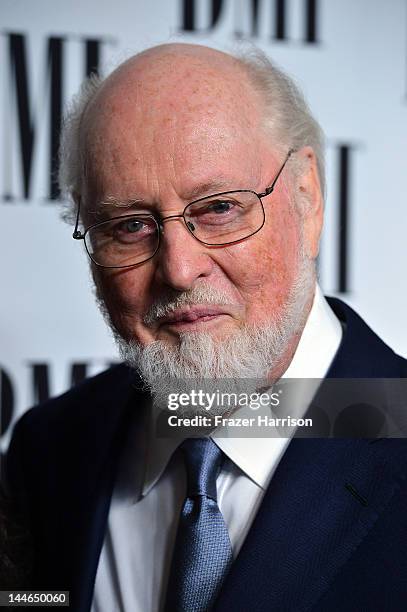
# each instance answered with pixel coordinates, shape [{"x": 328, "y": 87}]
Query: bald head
[
  {"x": 173, "y": 92},
  {"x": 164, "y": 105},
  {"x": 179, "y": 91},
  {"x": 176, "y": 61},
  {"x": 169, "y": 77}
]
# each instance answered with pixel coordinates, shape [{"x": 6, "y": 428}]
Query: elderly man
[{"x": 197, "y": 183}]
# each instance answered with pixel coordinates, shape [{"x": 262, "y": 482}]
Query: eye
[
  {"x": 214, "y": 212},
  {"x": 132, "y": 226},
  {"x": 133, "y": 229},
  {"x": 220, "y": 207}
]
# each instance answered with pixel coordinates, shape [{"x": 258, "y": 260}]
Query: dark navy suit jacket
[{"x": 313, "y": 544}]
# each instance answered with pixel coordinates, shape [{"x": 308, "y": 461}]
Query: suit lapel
[
  {"x": 93, "y": 477},
  {"x": 323, "y": 499},
  {"x": 91, "y": 524}
]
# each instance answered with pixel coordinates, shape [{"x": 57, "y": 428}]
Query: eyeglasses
[{"x": 217, "y": 220}]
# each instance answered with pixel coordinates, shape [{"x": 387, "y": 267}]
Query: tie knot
[{"x": 203, "y": 461}]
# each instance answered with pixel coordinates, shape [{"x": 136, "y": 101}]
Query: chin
[{"x": 218, "y": 333}]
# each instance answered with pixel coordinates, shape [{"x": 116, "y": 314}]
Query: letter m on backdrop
[
  {"x": 279, "y": 13},
  {"x": 26, "y": 110}
]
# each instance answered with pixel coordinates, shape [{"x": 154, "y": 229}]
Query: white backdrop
[{"x": 349, "y": 58}]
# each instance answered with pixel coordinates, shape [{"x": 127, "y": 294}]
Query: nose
[{"x": 181, "y": 259}]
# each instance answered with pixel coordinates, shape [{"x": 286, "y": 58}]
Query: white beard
[{"x": 240, "y": 362}]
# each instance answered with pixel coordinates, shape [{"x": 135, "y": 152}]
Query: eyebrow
[
  {"x": 203, "y": 189},
  {"x": 209, "y": 188},
  {"x": 113, "y": 203}
]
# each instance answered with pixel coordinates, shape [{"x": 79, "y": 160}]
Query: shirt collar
[
  {"x": 256, "y": 457},
  {"x": 319, "y": 341}
]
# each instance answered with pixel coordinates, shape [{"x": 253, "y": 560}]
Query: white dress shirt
[{"x": 150, "y": 489}]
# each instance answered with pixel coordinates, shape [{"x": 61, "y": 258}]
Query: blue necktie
[{"x": 202, "y": 553}]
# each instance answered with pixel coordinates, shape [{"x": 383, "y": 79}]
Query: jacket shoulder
[
  {"x": 49, "y": 436},
  {"x": 78, "y": 406},
  {"x": 362, "y": 354}
]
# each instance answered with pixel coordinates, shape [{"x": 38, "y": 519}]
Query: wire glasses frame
[{"x": 78, "y": 235}]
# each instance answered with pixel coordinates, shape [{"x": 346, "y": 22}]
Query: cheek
[
  {"x": 124, "y": 293},
  {"x": 263, "y": 268}
]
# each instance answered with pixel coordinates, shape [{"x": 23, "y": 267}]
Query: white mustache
[{"x": 202, "y": 294}]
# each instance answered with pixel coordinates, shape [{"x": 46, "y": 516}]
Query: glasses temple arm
[
  {"x": 271, "y": 188},
  {"x": 77, "y": 234}
]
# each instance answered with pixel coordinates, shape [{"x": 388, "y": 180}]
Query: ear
[{"x": 308, "y": 191}]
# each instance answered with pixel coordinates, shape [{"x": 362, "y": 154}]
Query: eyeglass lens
[{"x": 215, "y": 220}]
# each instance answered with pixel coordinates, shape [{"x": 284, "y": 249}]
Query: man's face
[{"x": 161, "y": 142}]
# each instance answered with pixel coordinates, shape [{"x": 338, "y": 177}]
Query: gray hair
[
  {"x": 289, "y": 120},
  {"x": 287, "y": 117},
  {"x": 71, "y": 157}
]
